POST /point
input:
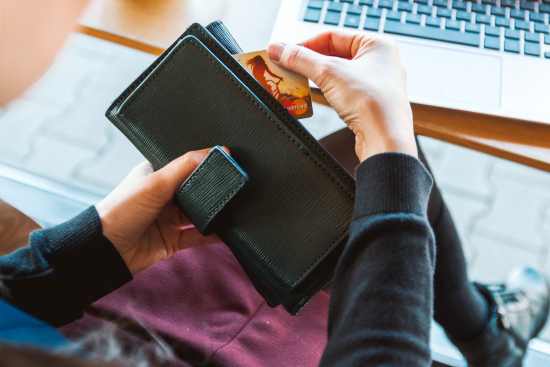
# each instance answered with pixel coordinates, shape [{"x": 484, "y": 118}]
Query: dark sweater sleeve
[
  {"x": 62, "y": 270},
  {"x": 381, "y": 301}
]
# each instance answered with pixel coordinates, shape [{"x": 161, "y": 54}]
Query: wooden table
[{"x": 151, "y": 25}]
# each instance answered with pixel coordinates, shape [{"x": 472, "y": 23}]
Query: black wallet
[{"x": 279, "y": 201}]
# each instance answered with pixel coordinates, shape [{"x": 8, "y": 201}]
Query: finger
[
  {"x": 134, "y": 177},
  {"x": 338, "y": 44},
  {"x": 142, "y": 169},
  {"x": 175, "y": 172},
  {"x": 164, "y": 183},
  {"x": 173, "y": 215},
  {"x": 298, "y": 59},
  {"x": 193, "y": 238},
  {"x": 332, "y": 43}
]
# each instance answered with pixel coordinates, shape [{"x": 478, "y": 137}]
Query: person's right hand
[{"x": 363, "y": 80}]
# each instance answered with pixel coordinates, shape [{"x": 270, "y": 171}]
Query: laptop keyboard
[{"x": 511, "y": 26}]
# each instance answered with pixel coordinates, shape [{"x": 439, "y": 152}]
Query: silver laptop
[{"x": 487, "y": 56}]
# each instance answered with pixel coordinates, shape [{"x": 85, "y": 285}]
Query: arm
[
  {"x": 62, "y": 270},
  {"x": 65, "y": 268},
  {"x": 381, "y": 301}
]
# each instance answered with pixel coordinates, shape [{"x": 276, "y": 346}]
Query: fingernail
[
  {"x": 275, "y": 51},
  {"x": 186, "y": 227},
  {"x": 196, "y": 156}
]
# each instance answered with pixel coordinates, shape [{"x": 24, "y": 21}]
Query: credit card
[{"x": 290, "y": 89}]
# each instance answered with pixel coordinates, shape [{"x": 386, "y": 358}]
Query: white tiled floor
[{"x": 59, "y": 130}]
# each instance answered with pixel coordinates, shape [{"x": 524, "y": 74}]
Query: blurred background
[{"x": 57, "y": 134}]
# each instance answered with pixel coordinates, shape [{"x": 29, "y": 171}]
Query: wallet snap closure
[{"x": 212, "y": 185}]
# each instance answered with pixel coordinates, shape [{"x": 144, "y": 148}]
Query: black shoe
[{"x": 519, "y": 310}]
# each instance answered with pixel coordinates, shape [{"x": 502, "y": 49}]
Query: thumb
[
  {"x": 168, "y": 179},
  {"x": 299, "y": 59}
]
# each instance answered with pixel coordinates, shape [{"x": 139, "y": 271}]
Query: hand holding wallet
[{"x": 280, "y": 201}]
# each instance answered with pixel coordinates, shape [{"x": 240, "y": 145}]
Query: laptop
[{"x": 484, "y": 56}]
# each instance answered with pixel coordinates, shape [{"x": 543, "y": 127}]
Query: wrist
[
  {"x": 384, "y": 130},
  {"x": 103, "y": 210},
  {"x": 385, "y": 146}
]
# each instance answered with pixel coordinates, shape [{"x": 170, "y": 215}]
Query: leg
[
  {"x": 202, "y": 304},
  {"x": 454, "y": 293}
]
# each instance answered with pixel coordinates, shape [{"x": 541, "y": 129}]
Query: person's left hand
[{"x": 141, "y": 220}]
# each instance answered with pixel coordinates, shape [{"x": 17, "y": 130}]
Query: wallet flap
[
  {"x": 209, "y": 188},
  {"x": 221, "y": 33}
]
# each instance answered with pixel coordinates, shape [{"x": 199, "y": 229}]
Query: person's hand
[
  {"x": 141, "y": 220},
  {"x": 362, "y": 78}
]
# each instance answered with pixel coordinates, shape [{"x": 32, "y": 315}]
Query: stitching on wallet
[
  {"x": 292, "y": 139},
  {"x": 295, "y": 128},
  {"x": 266, "y": 113},
  {"x": 226, "y": 198},
  {"x": 334, "y": 242},
  {"x": 161, "y": 65},
  {"x": 276, "y": 106}
]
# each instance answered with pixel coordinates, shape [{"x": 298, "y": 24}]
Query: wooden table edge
[
  {"x": 119, "y": 39},
  {"x": 423, "y": 126}
]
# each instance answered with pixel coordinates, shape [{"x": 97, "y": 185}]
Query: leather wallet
[{"x": 279, "y": 200}]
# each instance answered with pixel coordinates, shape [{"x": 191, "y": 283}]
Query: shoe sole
[{"x": 543, "y": 322}]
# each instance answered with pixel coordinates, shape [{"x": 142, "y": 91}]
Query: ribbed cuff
[
  {"x": 392, "y": 183},
  {"x": 86, "y": 263}
]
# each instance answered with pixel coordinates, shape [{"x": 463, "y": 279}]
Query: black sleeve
[
  {"x": 62, "y": 270},
  {"x": 381, "y": 301}
]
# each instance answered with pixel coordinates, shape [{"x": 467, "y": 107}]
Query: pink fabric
[{"x": 202, "y": 299}]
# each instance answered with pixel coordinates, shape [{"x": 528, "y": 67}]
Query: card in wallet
[{"x": 279, "y": 201}]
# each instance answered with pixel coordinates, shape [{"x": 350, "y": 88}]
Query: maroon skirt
[{"x": 204, "y": 306}]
